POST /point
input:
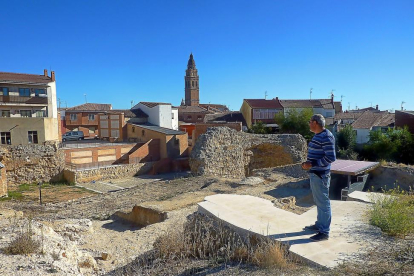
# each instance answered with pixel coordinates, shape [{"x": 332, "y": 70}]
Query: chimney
[
  {"x": 52, "y": 75},
  {"x": 332, "y": 98},
  {"x": 376, "y": 107},
  {"x": 45, "y": 72}
]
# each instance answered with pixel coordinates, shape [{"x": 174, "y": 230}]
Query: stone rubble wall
[
  {"x": 224, "y": 152},
  {"x": 33, "y": 163},
  {"x": 112, "y": 172}
]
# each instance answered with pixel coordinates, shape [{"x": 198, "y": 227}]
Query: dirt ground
[{"x": 178, "y": 197}]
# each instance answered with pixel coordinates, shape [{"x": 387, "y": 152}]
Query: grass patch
[
  {"x": 205, "y": 238},
  {"x": 24, "y": 243},
  {"x": 394, "y": 213}
]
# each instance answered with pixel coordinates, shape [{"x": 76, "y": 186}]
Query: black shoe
[
  {"x": 319, "y": 237},
  {"x": 311, "y": 228}
]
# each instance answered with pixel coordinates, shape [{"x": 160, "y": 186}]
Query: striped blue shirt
[{"x": 321, "y": 151}]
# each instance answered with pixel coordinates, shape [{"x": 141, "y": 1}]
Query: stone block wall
[
  {"x": 113, "y": 172},
  {"x": 225, "y": 152},
  {"x": 33, "y": 163}
]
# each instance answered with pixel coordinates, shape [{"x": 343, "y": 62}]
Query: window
[
  {"x": 5, "y": 138},
  {"x": 92, "y": 129},
  {"x": 24, "y": 92},
  {"x": 193, "y": 83},
  {"x": 199, "y": 117},
  {"x": 133, "y": 129},
  {"x": 196, "y": 83},
  {"x": 25, "y": 113},
  {"x": 189, "y": 117},
  {"x": 73, "y": 117},
  {"x": 32, "y": 135},
  {"x": 91, "y": 117},
  {"x": 264, "y": 113},
  {"x": 4, "y": 113},
  {"x": 5, "y": 91},
  {"x": 40, "y": 113},
  {"x": 172, "y": 115},
  {"x": 40, "y": 92}
]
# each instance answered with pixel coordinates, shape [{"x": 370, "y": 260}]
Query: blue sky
[{"x": 118, "y": 51}]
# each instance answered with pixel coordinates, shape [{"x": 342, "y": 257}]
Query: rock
[
  {"x": 251, "y": 180},
  {"x": 285, "y": 203},
  {"x": 106, "y": 256},
  {"x": 224, "y": 152}
]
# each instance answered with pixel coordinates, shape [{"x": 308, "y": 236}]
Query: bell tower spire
[{"x": 192, "y": 91}]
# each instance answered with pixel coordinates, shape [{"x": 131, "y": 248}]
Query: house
[
  {"x": 361, "y": 110},
  {"x": 84, "y": 118},
  {"x": 192, "y": 114},
  {"x": 28, "y": 110},
  {"x": 405, "y": 118},
  {"x": 372, "y": 121},
  {"x": 158, "y": 114},
  {"x": 255, "y": 110},
  {"x": 3, "y": 181},
  {"x": 173, "y": 143},
  {"x": 326, "y": 107}
]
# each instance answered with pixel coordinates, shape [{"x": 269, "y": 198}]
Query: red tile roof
[
  {"x": 262, "y": 103},
  {"x": 151, "y": 104},
  {"x": 317, "y": 103},
  {"x": 192, "y": 109},
  {"x": 369, "y": 119},
  {"x": 17, "y": 78},
  {"x": 91, "y": 107}
]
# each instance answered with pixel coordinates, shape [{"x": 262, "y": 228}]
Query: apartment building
[{"x": 28, "y": 110}]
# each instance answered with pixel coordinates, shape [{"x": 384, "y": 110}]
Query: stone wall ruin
[{"x": 224, "y": 152}]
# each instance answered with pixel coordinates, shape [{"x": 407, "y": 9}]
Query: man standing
[{"x": 321, "y": 153}]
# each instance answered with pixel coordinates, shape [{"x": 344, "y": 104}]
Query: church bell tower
[{"x": 192, "y": 91}]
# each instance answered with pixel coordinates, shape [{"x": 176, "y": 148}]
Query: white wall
[
  {"x": 174, "y": 118},
  {"x": 51, "y": 100},
  {"x": 362, "y": 135},
  {"x": 159, "y": 115}
]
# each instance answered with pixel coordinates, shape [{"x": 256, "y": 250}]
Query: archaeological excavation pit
[{"x": 141, "y": 216}]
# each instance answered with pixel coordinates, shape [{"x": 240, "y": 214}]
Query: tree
[
  {"x": 295, "y": 122},
  {"x": 260, "y": 128},
  {"x": 345, "y": 142},
  {"x": 394, "y": 145}
]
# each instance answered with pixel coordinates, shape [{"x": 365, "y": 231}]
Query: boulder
[{"x": 225, "y": 152}]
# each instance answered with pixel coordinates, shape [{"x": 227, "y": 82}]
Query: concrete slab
[
  {"x": 248, "y": 214},
  {"x": 366, "y": 197}
]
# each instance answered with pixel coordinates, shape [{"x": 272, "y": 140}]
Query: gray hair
[{"x": 318, "y": 118}]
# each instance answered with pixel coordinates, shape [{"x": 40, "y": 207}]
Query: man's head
[{"x": 317, "y": 123}]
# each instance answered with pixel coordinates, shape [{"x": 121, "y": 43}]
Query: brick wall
[{"x": 404, "y": 119}]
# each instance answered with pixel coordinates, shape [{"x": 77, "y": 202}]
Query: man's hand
[{"x": 306, "y": 165}]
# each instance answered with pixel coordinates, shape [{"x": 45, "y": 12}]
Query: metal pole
[{"x": 40, "y": 192}]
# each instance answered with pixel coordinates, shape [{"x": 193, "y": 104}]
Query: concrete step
[{"x": 253, "y": 215}]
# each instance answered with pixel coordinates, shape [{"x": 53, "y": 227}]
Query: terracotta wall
[
  {"x": 403, "y": 119},
  {"x": 3, "y": 182}
]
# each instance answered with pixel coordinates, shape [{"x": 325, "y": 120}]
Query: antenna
[
  {"x": 332, "y": 94},
  {"x": 86, "y": 101},
  {"x": 342, "y": 96},
  {"x": 265, "y": 95},
  {"x": 402, "y": 105},
  {"x": 310, "y": 94},
  {"x": 349, "y": 106},
  {"x": 132, "y": 103},
  {"x": 370, "y": 103}
]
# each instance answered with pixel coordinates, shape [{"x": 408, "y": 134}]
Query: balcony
[{"x": 23, "y": 100}]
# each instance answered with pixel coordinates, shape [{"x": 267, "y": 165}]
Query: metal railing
[{"x": 21, "y": 99}]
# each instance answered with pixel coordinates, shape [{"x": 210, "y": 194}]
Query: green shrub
[{"x": 394, "y": 214}]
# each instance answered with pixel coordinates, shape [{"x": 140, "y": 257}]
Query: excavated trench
[{"x": 140, "y": 216}]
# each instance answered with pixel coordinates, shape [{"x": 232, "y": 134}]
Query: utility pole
[
  {"x": 402, "y": 108},
  {"x": 310, "y": 94},
  {"x": 59, "y": 102}
]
